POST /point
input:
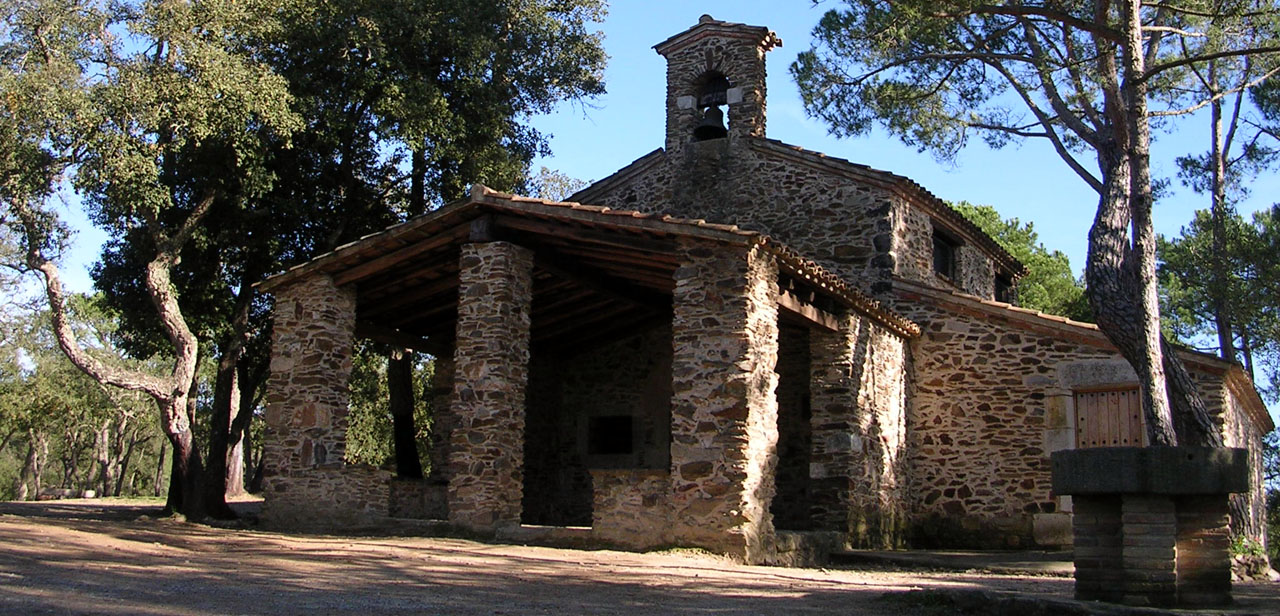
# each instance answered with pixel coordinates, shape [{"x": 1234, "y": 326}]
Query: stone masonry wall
[
  {"x": 491, "y": 361},
  {"x": 632, "y": 507},
  {"x": 306, "y": 416},
  {"x": 913, "y": 244},
  {"x": 991, "y": 401},
  {"x": 913, "y": 247},
  {"x": 976, "y": 274},
  {"x": 841, "y": 224},
  {"x": 862, "y": 232},
  {"x": 630, "y": 377},
  {"x": 724, "y": 413},
  {"x": 859, "y": 465},
  {"x": 978, "y": 429},
  {"x": 1249, "y": 511}
]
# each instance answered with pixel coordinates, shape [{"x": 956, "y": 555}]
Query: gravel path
[{"x": 70, "y": 558}]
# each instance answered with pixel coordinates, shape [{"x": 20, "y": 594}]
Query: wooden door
[{"x": 1110, "y": 418}]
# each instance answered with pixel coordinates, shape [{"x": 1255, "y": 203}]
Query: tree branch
[
  {"x": 1229, "y": 53},
  {"x": 1202, "y": 104},
  {"x": 1038, "y": 11},
  {"x": 117, "y": 377}
]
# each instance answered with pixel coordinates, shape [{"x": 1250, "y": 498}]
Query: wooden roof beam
[
  {"x": 372, "y": 267},
  {"x": 794, "y": 304}
]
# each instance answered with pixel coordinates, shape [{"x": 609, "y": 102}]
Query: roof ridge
[
  {"x": 906, "y": 184},
  {"x": 634, "y": 167}
]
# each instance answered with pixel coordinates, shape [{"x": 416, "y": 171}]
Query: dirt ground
[{"x": 87, "y": 557}]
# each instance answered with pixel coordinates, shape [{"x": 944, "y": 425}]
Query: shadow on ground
[{"x": 74, "y": 558}]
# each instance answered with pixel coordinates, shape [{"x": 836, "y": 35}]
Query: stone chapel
[{"x": 731, "y": 343}]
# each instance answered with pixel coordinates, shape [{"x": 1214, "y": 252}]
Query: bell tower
[{"x": 715, "y": 73}]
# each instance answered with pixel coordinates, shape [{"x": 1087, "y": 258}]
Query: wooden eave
[{"x": 598, "y": 272}]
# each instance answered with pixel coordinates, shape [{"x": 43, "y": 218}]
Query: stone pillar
[
  {"x": 857, "y": 389},
  {"x": 305, "y": 480},
  {"x": 836, "y": 463},
  {"x": 724, "y": 427},
  {"x": 491, "y": 364}
]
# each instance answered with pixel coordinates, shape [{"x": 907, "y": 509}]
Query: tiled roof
[
  {"x": 709, "y": 26},
  {"x": 384, "y": 244}
]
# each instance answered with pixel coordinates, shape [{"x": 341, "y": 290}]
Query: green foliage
[
  {"x": 1251, "y": 286},
  {"x": 554, "y": 185},
  {"x": 1244, "y": 546},
  {"x": 43, "y": 396},
  {"x": 936, "y": 74},
  {"x": 404, "y": 103},
  {"x": 369, "y": 436},
  {"x": 1049, "y": 285}
]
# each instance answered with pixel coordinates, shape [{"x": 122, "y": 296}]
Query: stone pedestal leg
[
  {"x": 1166, "y": 508},
  {"x": 491, "y": 364},
  {"x": 724, "y": 427},
  {"x": 1204, "y": 551},
  {"x": 1097, "y": 549},
  {"x": 1148, "y": 554}
]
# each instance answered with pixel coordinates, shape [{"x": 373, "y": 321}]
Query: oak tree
[{"x": 109, "y": 100}]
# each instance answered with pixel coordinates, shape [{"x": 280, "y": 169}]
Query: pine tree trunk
[
  {"x": 1218, "y": 233},
  {"x": 1112, "y": 275},
  {"x": 1121, "y": 270}
]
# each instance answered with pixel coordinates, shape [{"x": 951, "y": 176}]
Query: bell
[{"x": 711, "y": 126}]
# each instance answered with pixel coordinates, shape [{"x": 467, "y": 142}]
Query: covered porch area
[{"x": 605, "y": 373}]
